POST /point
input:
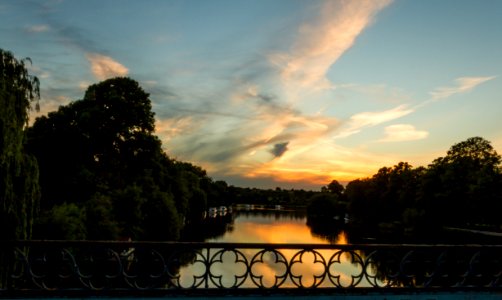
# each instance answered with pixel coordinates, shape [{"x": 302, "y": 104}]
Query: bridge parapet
[{"x": 160, "y": 268}]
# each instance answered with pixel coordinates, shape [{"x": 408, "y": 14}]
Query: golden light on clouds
[
  {"x": 320, "y": 44},
  {"x": 368, "y": 119},
  {"x": 403, "y": 132},
  {"x": 167, "y": 129},
  {"x": 104, "y": 67},
  {"x": 320, "y": 163},
  {"x": 463, "y": 84}
]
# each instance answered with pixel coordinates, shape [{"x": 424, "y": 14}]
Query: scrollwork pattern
[{"x": 144, "y": 266}]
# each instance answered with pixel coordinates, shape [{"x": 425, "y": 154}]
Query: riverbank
[{"x": 480, "y": 232}]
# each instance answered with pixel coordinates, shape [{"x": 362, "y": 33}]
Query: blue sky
[{"x": 280, "y": 93}]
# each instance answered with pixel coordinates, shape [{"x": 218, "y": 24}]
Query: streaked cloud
[
  {"x": 252, "y": 129},
  {"x": 167, "y": 129},
  {"x": 462, "y": 85},
  {"x": 369, "y": 119},
  {"x": 38, "y": 28},
  {"x": 83, "y": 85},
  {"x": 321, "y": 43},
  {"x": 104, "y": 67},
  {"x": 403, "y": 132}
]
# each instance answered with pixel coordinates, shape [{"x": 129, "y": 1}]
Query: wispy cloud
[
  {"x": 463, "y": 84},
  {"x": 167, "y": 129},
  {"x": 104, "y": 67},
  {"x": 403, "y": 132},
  {"x": 251, "y": 129},
  {"x": 83, "y": 85},
  {"x": 38, "y": 28},
  {"x": 369, "y": 119},
  {"x": 320, "y": 44}
]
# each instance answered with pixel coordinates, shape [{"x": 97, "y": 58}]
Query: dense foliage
[
  {"x": 103, "y": 172},
  {"x": 19, "y": 189},
  {"x": 462, "y": 189}
]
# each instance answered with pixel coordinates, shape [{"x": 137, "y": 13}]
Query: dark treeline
[
  {"x": 104, "y": 175},
  {"x": 460, "y": 190},
  {"x": 270, "y": 197}
]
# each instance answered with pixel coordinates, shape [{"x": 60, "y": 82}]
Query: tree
[
  {"x": 94, "y": 144},
  {"x": 103, "y": 147},
  {"x": 324, "y": 206},
  {"x": 99, "y": 219},
  {"x": 361, "y": 198},
  {"x": 466, "y": 181},
  {"x": 476, "y": 151},
  {"x": 19, "y": 189},
  {"x": 63, "y": 222},
  {"x": 335, "y": 187}
]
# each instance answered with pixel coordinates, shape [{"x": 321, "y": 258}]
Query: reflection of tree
[
  {"x": 327, "y": 229},
  {"x": 277, "y": 215},
  {"x": 431, "y": 266},
  {"x": 140, "y": 266}
]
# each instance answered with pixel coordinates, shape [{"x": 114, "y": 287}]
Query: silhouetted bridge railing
[{"x": 77, "y": 268}]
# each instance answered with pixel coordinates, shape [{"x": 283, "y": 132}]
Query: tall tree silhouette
[
  {"x": 467, "y": 181},
  {"x": 101, "y": 154},
  {"x": 19, "y": 189}
]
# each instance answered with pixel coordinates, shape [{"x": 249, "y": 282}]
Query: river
[
  {"x": 255, "y": 224},
  {"x": 270, "y": 226}
]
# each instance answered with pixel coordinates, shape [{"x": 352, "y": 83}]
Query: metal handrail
[{"x": 97, "y": 267}]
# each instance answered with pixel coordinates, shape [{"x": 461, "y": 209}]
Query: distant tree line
[
  {"x": 270, "y": 197},
  {"x": 462, "y": 189}
]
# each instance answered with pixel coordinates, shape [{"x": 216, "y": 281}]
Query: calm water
[
  {"x": 290, "y": 227},
  {"x": 265, "y": 226},
  {"x": 272, "y": 227}
]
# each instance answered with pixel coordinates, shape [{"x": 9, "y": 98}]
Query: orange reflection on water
[
  {"x": 341, "y": 239},
  {"x": 269, "y": 268},
  {"x": 270, "y": 230}
]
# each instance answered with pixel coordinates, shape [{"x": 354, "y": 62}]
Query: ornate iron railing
[{"x": 52, "y": 267}]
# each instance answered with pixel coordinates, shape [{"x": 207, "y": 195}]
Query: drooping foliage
[{"x": 19, "y": 189}]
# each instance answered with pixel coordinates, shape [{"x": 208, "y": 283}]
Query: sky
[{"x": 283, "y": 93}]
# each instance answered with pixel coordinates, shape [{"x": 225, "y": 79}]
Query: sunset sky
[{"x": 288, "y": 93}]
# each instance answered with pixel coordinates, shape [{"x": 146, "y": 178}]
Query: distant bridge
[{"x": 92, "y": 268}]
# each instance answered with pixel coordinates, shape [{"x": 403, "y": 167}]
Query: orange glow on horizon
[{"x": 314, "y": 175}]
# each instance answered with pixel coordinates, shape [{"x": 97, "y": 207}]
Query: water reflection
[{"x": 270, "y": 268}]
